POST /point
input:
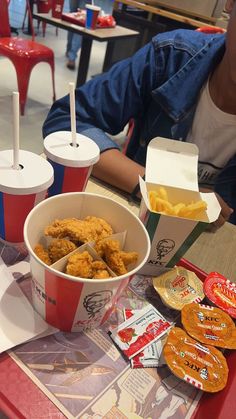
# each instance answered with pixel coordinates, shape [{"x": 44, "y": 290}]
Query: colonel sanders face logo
[
  {"x": 204, "y": 374},
  {"x": 163, "y": 247},
  {"x": 200, "y": 316},
  {"x": 96, "y": 301}
]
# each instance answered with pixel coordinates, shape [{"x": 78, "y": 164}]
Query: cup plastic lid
[
  {"x": 35, "y": 175},
  {"x": 58, "y": 148}
]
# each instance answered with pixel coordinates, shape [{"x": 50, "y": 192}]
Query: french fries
[{"x": 159, "y": 202}]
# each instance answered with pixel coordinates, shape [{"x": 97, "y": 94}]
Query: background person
[
  {"x": 181, "y": 85},
  {"x": 73, "y": 40}
]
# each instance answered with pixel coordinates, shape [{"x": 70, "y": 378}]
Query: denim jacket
[{"x": 158, "y": 87}]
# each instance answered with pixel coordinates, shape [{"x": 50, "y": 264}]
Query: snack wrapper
[
  {"x": 209, "y": 325},
  {"x": 138, "y": 332},
  {"x": 178, "y": 287},
  {"x": 150, "y": 356},
  {"x": 204, "y": 367},
  {"x": 221, "y": 292}
]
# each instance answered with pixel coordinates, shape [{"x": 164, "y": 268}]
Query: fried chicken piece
[
  {"x": 103, "y": 229},
  {"x": 116, "y": 259},
  {"x": 128, "y": 257},
  {"x": 80, "y": 264},
  {"x": 72, "y": 228},
  {"x": 42, "y": 254},
  {"x": 101, "y": 274},
  {"x": 100, "y": 270},
  {"x": 89, "y": 229},
  {"x": 59, "y": 248},
  {"x": 98, "y": 265},
  {"x": 115, "y": 263},
  {"x": 102, "y": 245}
]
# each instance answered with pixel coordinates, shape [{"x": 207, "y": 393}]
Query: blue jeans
[{"x": 74, "y": 40}]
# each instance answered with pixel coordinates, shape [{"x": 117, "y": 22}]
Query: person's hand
[{"x": 225, "y": 213}]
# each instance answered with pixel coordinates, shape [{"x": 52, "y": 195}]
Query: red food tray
[
  {"x": 220, "y": 405},
  {"x": 78, "y": 18},
  {"x": 21, "y": 398}
]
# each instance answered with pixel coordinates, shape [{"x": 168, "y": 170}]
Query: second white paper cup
[
  {"x": 72, "y": 165},
  {"x": 20, "y": 190}
]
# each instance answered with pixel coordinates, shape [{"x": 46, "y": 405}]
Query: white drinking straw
[
  {"x": 72, "y": 113},
  {"x": 16, "y": 130}
]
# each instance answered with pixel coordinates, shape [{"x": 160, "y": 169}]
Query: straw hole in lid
[
  {"x": 20, "y": 167},
  {"x": 76, "y": 145}
]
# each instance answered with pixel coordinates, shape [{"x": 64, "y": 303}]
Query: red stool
[{"x": 24, "y": 54}]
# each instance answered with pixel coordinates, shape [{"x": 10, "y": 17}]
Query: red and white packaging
[
  {"x": 20, "y": 190},
  {"x": 67, "y": 302},
  {"x": 150, "y": 356},
  {"x": 221, "y": 292},
  {"x": 72, "y": 165},
  {"x": 138, "y": 332}
]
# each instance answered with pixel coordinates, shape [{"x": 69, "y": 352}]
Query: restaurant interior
[{"x": 39, "y": 99}]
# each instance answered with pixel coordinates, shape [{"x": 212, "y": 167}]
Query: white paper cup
[
  {"x": 72, "y": 165},
  {"x": 20, "y": 190},
  {"x": 67, "y": 302},
  {"x": 92, "y": 13}
]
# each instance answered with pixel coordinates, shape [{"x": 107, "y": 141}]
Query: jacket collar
[{"x": 177, "y": 99}]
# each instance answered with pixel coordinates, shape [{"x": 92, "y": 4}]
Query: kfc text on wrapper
[{"x": 172, "y": 165}]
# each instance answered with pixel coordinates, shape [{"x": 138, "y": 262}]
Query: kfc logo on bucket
[{"x": 70, "y": 305}]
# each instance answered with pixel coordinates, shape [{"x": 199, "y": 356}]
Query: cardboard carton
[{"x": 173, "y": 165}]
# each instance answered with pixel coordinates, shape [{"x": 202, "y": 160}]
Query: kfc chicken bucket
[{"x": 73, "y": 303}]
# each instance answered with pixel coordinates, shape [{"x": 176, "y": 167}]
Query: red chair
[
  {"x": 23, "y": 53},
  {"x": 43, "y": 6}
]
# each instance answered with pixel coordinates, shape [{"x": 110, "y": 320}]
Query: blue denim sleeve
[{"x": 105, "y": 104}]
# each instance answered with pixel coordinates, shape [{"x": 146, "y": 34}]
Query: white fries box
[{"x": 172, "y": 165}]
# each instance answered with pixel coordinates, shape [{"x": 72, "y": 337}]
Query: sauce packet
[
  {"x": 221, "y": 292},
  {"x": 178, "y": 287},
  {"x": 209, "y": 325},
  {"x": 150, "y": 357},
  {"x": 143, "y": 328},
  {"x": 204, "y": 367}
]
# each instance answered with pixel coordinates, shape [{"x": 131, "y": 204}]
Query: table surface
[
  {"x": 20, "y": 398},
  {"x": 152, "y": 7},
  {"x": 101, "y": 35},
  {"x": 210, "y": 252}
]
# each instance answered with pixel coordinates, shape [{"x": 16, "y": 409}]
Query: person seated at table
[
  {"x": 73, "y": 40},
  {"x": 181, "y": 85}
]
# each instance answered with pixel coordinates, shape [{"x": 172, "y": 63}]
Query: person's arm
[
  {"x": 105, "y": 104},
  {"x": 118, "y": 170}
]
